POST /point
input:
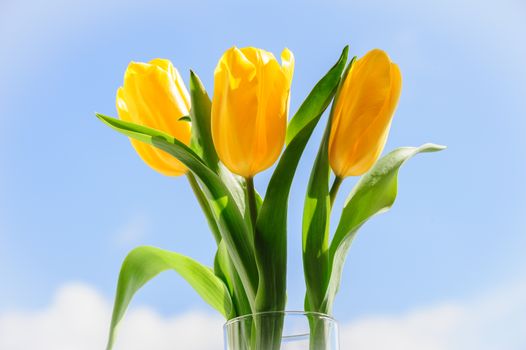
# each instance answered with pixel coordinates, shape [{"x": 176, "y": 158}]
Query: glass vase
[{"x": 287, "y": 330}]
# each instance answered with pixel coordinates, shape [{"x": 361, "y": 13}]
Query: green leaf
[
  {"x": 316, "y": 219},
  {"x": 374, "y": 193},
  {"x": 318, "y": 99},
  {"x": 200, "y": 110},
  {"x": 234, "y": 231},
  {"x": 315, "y": 226},
  {"x": 224, "y": 269},
  {"x": 271, "y": 227},
  {"x": 185, "y": 118},
  {"x": 144, "y": 263}
]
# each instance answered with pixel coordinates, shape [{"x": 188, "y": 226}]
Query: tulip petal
[
  {"x": 154, "y": 95},
  {"x": 249, "y": 110},
  {"x": 241, "y": 68},
  {"x": 234, "y": 101},
  {"x": 362, "y": 117},
  {"x": 182, "y": 96},
  {"x": 272, "y": 116},
  {"x": 287, "y": 63}
]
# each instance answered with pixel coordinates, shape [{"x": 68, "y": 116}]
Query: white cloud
[
  {"x": 495, "y": 321},
  {"x": 75, "y": 320},
  {"x": 78, "y": 319}
]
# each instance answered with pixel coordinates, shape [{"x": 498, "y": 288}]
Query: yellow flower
[
  {"x": 154, "y": 95},
  {"x": 362, "y": 114},
  {"x": 250, "y": 108}
]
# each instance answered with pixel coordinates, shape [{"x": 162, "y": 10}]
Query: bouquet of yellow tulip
[{"x": 221, "y": 144}]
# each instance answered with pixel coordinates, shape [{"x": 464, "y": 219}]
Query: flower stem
[
  {"x": 203, "y": 203},
  {"x": 251, "y": 193},
  {"x": 334, "y": 188}
]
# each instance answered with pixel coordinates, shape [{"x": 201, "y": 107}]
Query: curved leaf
[
  {"x": 271, "y": 227},
  {"x": 144, "y": 263},
  {"x": 374, "y": 193},
  {"x": 234, "y": 231}
]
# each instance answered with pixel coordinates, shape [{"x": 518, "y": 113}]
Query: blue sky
[{"x": 74, "y": 197}]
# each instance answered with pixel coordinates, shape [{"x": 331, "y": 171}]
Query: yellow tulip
[
  {"x": 362, "y": 114},
  {"x": 154, "y": 95},
  {"x": 250, "y": 108}
]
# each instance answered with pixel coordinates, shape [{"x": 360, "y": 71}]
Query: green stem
[
  {"x": 239, "y": 295},
  {"x": 335, "y": 187},
  {"x": 203, "y": 203},
  {"x": 251, "y": 192}
]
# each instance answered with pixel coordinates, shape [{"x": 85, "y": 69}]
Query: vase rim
[{"x": 295, "y": 313}]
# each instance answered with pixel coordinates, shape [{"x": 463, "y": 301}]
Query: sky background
[{"x": 444, "y": 269}]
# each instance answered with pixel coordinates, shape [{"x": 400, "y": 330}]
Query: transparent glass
[{"x": 288, "y": 330}]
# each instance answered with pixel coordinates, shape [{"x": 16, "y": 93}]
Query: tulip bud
[
  {"x": 154, "y": 95},
  {"x": 362, "y": 114},
  {"x": 250, "y": 108}
]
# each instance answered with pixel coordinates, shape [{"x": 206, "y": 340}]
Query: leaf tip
[
  {"x": 432, "y": 147},
  {"x": 196, "y": 85},
  {"x": 105, "y": 119},
  {"x": 345, "y": 53},
  {"x": 194, "y": 79}
]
